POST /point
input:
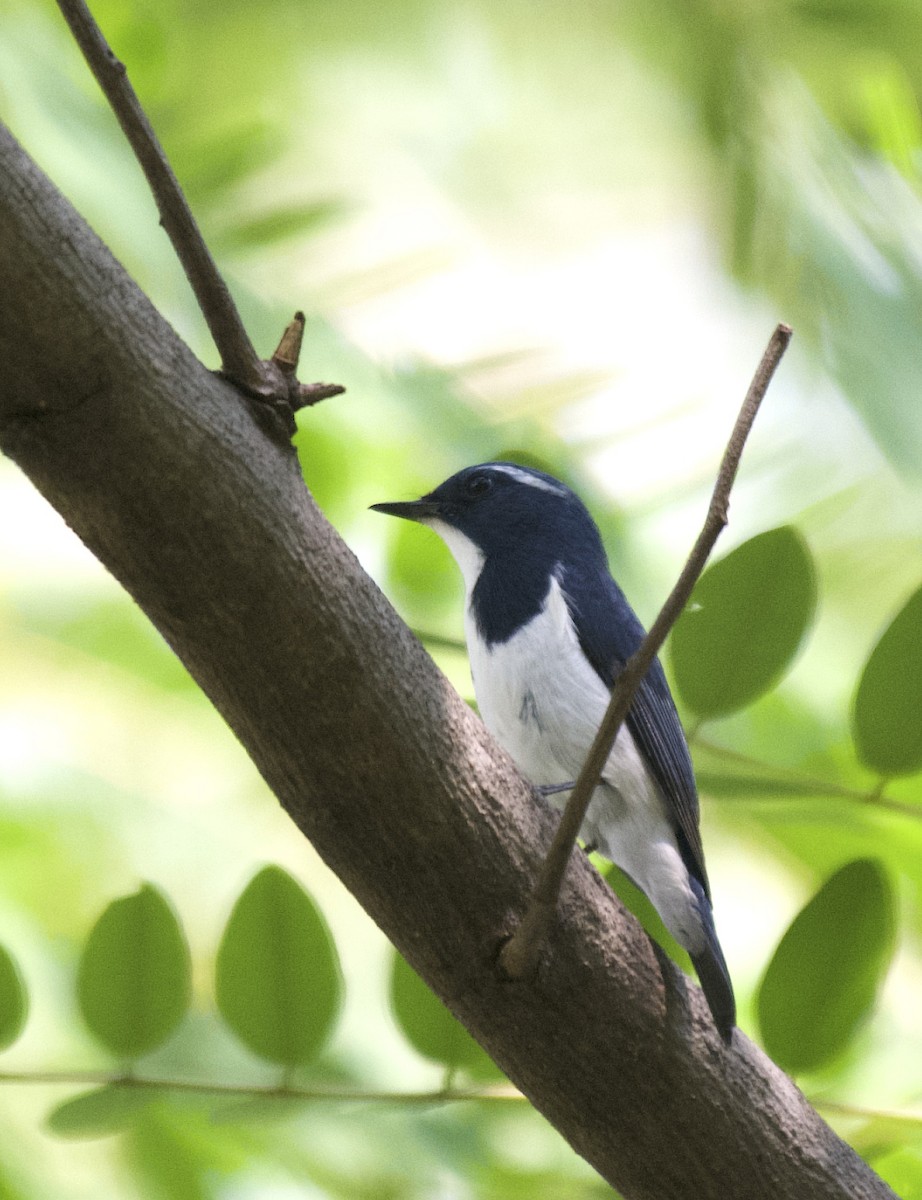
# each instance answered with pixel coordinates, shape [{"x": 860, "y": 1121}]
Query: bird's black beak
[{"x": 410, "y": 510}]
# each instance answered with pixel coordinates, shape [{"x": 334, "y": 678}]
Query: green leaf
[
  {"x": 747, "y": 617},
  {"x": 101, "y": 1112},
  {"x": 823, "y": 978},
  {"x": 14, "y": 1000},
  {"x": 278, "y": 981},
  {"x": 887, "y": 715},
  {"x": 428, "y": 1025},
  {"x": 133, "y": 982}
]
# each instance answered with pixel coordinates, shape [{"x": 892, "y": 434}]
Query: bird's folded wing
[{"x": 609, "y": 633}]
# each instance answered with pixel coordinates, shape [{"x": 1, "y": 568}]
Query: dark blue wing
[{"x": 609, "y": 633}]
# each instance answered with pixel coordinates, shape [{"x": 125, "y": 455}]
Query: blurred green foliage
[
  {"x": 744, "y": 623},
  {"x": 14, "y": 1001},
  {"x": 278, "y": 984},
  {"x": 347, "y": 158},
  {"x": 888, "y": 703},
  {"x": 101, "y": 1112},
  {"x": 134, "y": 977},
  {"x": 430, "y": 1028},
  {"x": 822, "y": 981}
]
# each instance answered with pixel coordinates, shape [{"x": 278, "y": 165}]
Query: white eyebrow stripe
[{"x": 535, "y": 481}]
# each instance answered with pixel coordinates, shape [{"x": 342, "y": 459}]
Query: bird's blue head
[
  {"x": 503, "y": 512},
  {"x": 502, "y": 509}
]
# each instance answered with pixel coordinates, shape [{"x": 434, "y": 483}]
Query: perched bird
[{"x": 548, "y": 631}]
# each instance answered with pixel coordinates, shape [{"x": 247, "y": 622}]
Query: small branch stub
[
  {"x": 283, "y": 395},
  {"x": 288, "y": 351},
  {"x": 519, "y": 956},
  {"x": 312, "y": 393},
  {"x": 286, "y": 356}
]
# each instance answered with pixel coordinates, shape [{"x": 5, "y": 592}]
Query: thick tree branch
[
  {"x": 520, "y": 954},
  {"x": 163, "y": 472}
]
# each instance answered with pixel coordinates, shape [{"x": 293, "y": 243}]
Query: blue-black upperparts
[
  {"x": 609, "y": 633},
  {"x": 529, "y": 526}
]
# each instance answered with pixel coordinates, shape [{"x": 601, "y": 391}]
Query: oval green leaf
[
  {"x": 745, "y": 622},
  {"x": 101, "y": 1112},
  {"x": 14, "y": 1000},
  {"x": 430, "y": 1028},
  {"x": 278, "y": 981},
  {"x": 133, "y": 982},
  {"x": 823, "y": 979},
  {"x": 887, "y": 714}
]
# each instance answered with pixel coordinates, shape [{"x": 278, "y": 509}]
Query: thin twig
[
  {"x": 239, "y": 359},
  {"x": 519, "y": 955},
  {"x": 796, "y": 784},
  {"x": 503, "y": 1092}
]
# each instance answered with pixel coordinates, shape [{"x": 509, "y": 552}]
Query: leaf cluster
[
  {"x": 278, "y": 988},
  {"x": 747, "y": 619}
]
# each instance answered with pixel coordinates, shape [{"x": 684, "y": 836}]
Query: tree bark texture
[{"x": 170, "y": 478}]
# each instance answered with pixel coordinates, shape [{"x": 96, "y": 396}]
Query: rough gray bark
[{"x": 166, "y": 475}]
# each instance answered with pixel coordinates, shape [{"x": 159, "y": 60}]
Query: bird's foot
[{"x": 553, "y": 789}]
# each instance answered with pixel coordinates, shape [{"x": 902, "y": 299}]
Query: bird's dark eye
[{"x": 479, "y": 485}]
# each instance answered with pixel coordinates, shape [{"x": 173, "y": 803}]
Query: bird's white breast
[
  {"x": 539, "y": 696},
  {"x": 541, "y": 699},
  {"x": 543, "y": 702}
]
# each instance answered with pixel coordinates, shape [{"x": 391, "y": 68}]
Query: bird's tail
[
  {"x": 718, "y": 990},
  {"x": 711, "y": 969}
]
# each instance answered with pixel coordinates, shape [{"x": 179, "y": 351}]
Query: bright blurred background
[{"x": 563, "y": 232}]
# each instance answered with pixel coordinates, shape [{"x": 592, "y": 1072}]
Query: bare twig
[
  {"x": 274, "y": 381},
  {"x": 520, "y": 953},
  {"x": 239, "y": 359},
  {"x": 790, "y": 783},
  {"x": 502, "y": 1092}
]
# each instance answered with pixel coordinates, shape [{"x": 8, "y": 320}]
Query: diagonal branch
[
  {"x": 239, "y": 360},
  {"x": 520, "y": 953},
  {"x": 273, "y": 381}
]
